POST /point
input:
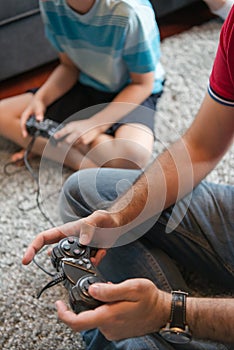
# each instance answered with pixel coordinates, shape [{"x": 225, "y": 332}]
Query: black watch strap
[
  {"x": 178, "y": 309},
  {"x": 176, "y": 330}
]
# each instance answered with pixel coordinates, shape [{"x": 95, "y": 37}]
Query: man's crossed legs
[{"x": 196, "y": 234}]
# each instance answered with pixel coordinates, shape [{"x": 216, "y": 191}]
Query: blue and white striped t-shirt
[{"x": 114, "y": 38}]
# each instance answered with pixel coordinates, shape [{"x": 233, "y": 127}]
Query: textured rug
[{"x": 31, "y": 324}]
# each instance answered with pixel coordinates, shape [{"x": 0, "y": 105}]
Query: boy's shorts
[{"x": 82, "y": 101}]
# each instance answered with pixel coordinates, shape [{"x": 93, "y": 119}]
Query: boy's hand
[
  {"x": 37, "y": 108},
  {"x": 83, "y": 132}
]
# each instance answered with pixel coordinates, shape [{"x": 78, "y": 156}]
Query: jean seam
[{"x": 160, "y": 273}]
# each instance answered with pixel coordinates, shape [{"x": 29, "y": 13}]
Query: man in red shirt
[
  {"x": 182, "y": 218},
  {"x": 221, "y": 86}
]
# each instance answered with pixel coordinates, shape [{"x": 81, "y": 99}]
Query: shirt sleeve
[
  {"x": 221, "y": 83},
  {"x": 52, "y": 38},
  {"x": 142, "y": 43},
  {"x": 49, "y": 33}
]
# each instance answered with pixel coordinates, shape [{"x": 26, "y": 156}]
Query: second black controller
[{"x": 45, "y": 128}]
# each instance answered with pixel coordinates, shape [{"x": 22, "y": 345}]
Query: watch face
[{"x": 176, "y": 336}]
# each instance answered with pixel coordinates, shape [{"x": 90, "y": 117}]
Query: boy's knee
[
  {"x": 138, "y": 157},
  {"x": 2, "y": 108}
]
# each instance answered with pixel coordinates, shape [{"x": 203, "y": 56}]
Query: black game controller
[
  {"x": 45, "y": 128},
  {"x": 75, "y": 269}
]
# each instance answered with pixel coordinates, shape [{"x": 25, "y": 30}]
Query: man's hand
[
  {"x": 51, "y": 236},
  {"x": 99, "y": 230},
  {"x": 132, "y": 308}
]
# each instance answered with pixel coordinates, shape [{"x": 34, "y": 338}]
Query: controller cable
[
  {"x": 59, "y": 277},
  {"x": 34, "y": 176},
  {"x": 38, "y": 204},
  {"x": 42, "y": 268}
]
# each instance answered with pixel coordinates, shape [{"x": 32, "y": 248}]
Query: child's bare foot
[{"x": 18, "y": 157}]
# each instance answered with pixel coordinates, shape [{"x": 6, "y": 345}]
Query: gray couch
[{"x": 22, "y": 42}]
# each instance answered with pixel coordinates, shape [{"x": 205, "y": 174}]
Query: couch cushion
[
  {"x": 18, "y": 54},
  {"x": 164, "y": 7},
  {"x": 11, "y": 10}
]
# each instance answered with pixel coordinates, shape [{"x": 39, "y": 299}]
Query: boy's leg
[
  {"x": 130, "y": 148},
  {"x": 10, "y": 112},
  {"x": 117, "y": 149},
  {"x": 131, "y": 139},
  {"x": 127, "y": 143}
]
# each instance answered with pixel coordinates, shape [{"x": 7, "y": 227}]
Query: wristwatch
[{"x": 176, "y": 330}]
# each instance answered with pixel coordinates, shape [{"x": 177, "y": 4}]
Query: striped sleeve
[{"x": 49, "y": 33}]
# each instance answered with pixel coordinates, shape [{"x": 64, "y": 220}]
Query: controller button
[
  {"x": 66, "y": 247},
  {"x": 80, "y": 262},
  {"x": 88, "y": 266},
  {"x": 77, "y": 251},
  {"x": 71, "y": 240},
  {"x": 85, "y": 260}
]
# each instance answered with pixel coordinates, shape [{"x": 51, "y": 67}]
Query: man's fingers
[
  {"x": 86, "y": 233},
  {"x": 98, "y": 256},
  {"x": 108, "y": 292},
  {"x": 51, "y": 236},
  {"x": 83, "y": 321},
  {"x": 44, "y": 238},
  {"x": 97, "y": 230}
]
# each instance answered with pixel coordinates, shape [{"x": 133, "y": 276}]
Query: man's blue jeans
[{"x": 202, "y": 242}]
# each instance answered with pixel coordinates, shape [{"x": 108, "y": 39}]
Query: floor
[{"x": 169, "y": 25}]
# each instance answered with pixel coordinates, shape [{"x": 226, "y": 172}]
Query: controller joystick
[{"x": 79, "y": 297}]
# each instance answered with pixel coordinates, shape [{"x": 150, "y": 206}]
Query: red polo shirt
[{"x": 221, "y": 84}]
